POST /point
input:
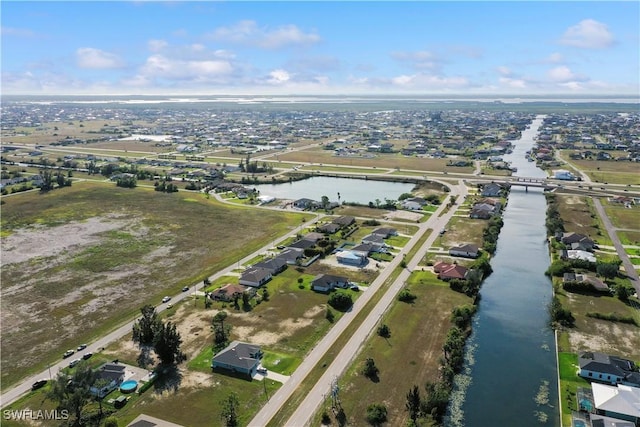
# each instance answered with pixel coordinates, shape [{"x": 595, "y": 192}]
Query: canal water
[
  {"x": 510, "y": 376},
  {"x": 350, "y": 190}
]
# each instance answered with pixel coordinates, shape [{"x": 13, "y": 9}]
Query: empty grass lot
[
  {"x": 151, "y": 244},
  {"x": 580, "y": 216},
  {"x": 611, "y": 171},
  {"x": 410, "y": 356}
]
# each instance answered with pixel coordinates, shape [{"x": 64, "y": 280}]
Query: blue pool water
[{"x": 128, "y": 386}]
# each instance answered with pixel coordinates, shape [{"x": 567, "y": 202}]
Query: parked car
[
  {"x": 38, "y": 384},
  {"x": 185, "y": 289},
  {"x": 166, "y": 299},
  {"x": 68, "y": 353},
  {"x": 354, "y": 288},
  {"x": 81, "y": 347},
  {"x": 74, "y": 362},
  {"x": 87, "y": 355},
  {"x": 261, "y": 369}
]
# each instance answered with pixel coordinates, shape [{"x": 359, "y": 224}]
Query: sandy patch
[
  {"x": 42, "y": 241},
  {"x": 399, "y": 214}
]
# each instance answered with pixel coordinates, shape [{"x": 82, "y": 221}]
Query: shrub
[
  {"x": 340, "y": 301},
  {"x": 376, "y": 414},
  {"x": 406, "y": 296}
]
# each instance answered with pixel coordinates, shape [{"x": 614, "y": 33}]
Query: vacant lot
[
  {"x": 80, "y": 260},
  {"x": 410, "y": 356},
  {"x": 622, "y": 172},
  {"x": 580, "y": 216},
  {"x": 389, "y": 161}
]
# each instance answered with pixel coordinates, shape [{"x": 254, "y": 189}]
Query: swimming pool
[{"x": 128, "y": 386}]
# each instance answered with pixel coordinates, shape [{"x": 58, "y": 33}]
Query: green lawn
[
  {"x": 410, "y": 356},
  {"x": 569, "y": 383}
]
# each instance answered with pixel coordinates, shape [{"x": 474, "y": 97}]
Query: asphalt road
[
  {"x": 11, "y": 395},
  {"x": 321, "y": 389},
  {"x": 628, "y": 266}
]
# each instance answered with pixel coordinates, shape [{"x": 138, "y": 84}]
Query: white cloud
[
  {"x": 88, "y": 57},
  {"x": 157, "y": 45},
  {"x": 249, "y": 33},
  {"x": 513, "y": 83},
  {"x": 159, "y": 66},
  {"x": 562, "y": 74},
  {"x": 17, "y": 32},
  {"x": 588, "y": 34},
  {"x": 278, "y": 77},
  {"x": 421, "y": 59},
  {"x": 505, "y": 71},
  {"x": 554, "y": 58},
  {"x": 426, "y": 81}
]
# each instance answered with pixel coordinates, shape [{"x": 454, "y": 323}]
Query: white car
[
  {"x": 262, "y": 370},
  {"x": 166, "y": 299}
]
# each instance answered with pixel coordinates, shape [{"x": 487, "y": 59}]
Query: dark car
[
  {"x": 81, "y": 347},
  {"x": 87, "y": 355},
  {"x": 38, "y": 384},
  {"x": 185, "y": 289}
]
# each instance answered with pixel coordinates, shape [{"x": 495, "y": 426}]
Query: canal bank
[{"x": 510, "y": 374}]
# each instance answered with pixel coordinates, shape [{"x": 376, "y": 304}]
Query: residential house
[
  {"x": 351, "y": 258},
  {"x": 112, "y": 374},
  {"x": 302, "y": 244},
  {"x": 446, "y": 271},
  {"x": 595, "y": 283},
  {"x": 376, "y": 241},
  {"x": 313, "y": 237},
  {"x": 255, "y": 276},
  {"x": 274, "y": 265},
  {"x": 328, "y": 282},
  {"x": 491, "y": 190},
  {"x": 304, "y": 204},
  {"x": 577, "y": 241},
  {"x": 291, "y": 255},
  {"x": 385, "y": 232},
  {"x": 329, "y": 228},
  {"x": 344, "y": 221},
  {"x": 238, "y": 357},
  {"x": 231, "y": 291},
  {"x": 412, "y": 206},
  {"x": 467, "y": 251},
  {"x": 610, "y": 369},
  {"x": 144, "y": 420},
  {"x": 577, "y": 254},
  {"x": 363, "y": 249},
  {"x": 621, "y": 401},
  {"x": 482, "y": 211}
]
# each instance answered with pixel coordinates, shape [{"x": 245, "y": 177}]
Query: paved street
[
  {"x": 307, "y": 408},
  {"x": 11, "y": 395},
  {"x": 626, "y": 262}
]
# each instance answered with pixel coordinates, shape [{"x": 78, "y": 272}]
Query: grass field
[
  {"x": 568, "y": 366},
  {"x": 147, "y": 244},
  {"x": 580, "y": 216},
  {"x": 388, "y": 161},
  {"x": 410, "y": 356},
  {"x": 623, "y": 172},
  {"x": 622, "y": 217},
  {"x": 601, "y": 335}
]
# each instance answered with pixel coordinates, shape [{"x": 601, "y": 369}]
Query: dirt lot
[{"x": 37, "y": 260}]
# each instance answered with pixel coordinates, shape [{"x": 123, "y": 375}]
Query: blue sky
[{"x": 330, "y": 47}]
